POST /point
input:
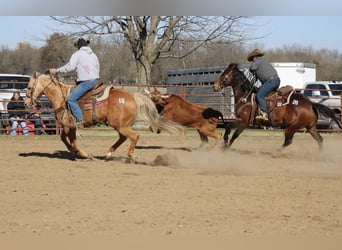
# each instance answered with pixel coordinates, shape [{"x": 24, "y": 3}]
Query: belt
[{"x": 272, "y": 77}]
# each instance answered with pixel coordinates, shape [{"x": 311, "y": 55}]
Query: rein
[
  {"x": 244, "y": 98},
  {"x": 57, "y": 110}
]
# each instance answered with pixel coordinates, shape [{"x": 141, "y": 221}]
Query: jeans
[
  {"x": 15, "y": 124},
  {"x": 76, "y": 94},
  {"x": 266, "y": 88},
  {"x": 38, "y": 126}
]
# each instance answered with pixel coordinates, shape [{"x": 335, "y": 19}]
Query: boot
[{"x": 262, "y": 116}]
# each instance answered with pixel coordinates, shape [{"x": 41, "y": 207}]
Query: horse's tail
[
  {"x": 147, "y": 111},
  {"x": 326, "y": 112}
]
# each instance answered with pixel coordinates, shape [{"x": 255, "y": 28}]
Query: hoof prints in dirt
[
  {"x": 162, "y": 160},
  {"x": 166, "y": 160}
]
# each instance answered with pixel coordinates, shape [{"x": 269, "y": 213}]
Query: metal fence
[{"x": 202, "y": 94}]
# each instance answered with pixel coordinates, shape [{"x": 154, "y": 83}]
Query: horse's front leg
[
  {"x": 226, "y": 135},
  {"x": 64, "y": 139},
  {"x": 236, "y": 134},
  {"x": 68, "y": 136},
  {"x": 288, "y": 137}
]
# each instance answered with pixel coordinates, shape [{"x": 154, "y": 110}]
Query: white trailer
[{"x": 295, "y": 73}]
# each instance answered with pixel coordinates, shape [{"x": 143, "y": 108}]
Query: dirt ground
[{"x": 173, "y": 188}]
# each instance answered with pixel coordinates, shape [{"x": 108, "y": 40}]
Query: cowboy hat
[
  {"x": 254, "y": 53},
  {"x": 81, "y": 42}
]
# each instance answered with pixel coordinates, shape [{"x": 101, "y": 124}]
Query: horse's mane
[
  {"x": 231, "y": 66},
  {"x": 240, "y": 76},
  {"x": 55, "y": 80}
]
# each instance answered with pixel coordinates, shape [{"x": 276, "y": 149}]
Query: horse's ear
[
  {"x": 146, "y": 91},
  {"x": 36, "y": 74}
]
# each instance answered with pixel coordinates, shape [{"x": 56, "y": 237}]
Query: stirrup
[
  {"x": 80, "y": 124},
  {"x": 262, "y": 116}
]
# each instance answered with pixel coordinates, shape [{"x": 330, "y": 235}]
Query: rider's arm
[{"x": 70, "y": 66}]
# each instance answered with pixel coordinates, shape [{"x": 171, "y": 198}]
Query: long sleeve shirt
[
  {"x": 85, "y": 62},
  {"x": 263, "y": 69}
]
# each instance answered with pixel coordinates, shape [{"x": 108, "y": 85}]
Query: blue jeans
[
  {"x": 15, "y": 124},
  {"x": 76, "y": 94},
  {"x": 266, "y": 88}
]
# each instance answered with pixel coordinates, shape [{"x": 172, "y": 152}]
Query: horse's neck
[
  {"x": 58, "y": 95},
  {"x": 240, "y": 93}
]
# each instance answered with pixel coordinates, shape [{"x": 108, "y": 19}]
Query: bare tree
[
  {"x": 152, "y": 38},
  {"x": 21, "y": 60},
  {"x": 57, "y": 51}
]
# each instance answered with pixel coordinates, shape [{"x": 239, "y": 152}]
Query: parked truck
[{"x": 328, "y": 93}]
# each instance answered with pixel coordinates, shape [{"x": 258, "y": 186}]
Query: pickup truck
[{"x": 327, "y": 93}]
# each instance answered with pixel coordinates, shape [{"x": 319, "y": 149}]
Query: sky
[{"x": 318, "y": 32}]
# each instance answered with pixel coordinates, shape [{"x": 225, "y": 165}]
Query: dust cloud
[{"x": 248, "y": 157}]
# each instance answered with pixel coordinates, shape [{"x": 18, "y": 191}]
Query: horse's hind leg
[
  {"x": 288, "y": 137},
  {"x": 288, "y": 133},
  {"x": 318, "y": 138},
  {"x": 125, "y": 133},
  {"x": 117, "y": 144}
]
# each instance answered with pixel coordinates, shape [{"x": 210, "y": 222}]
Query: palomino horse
[
  {"x": 175, "y": 108},
  {"x": 118, "y": 110},
  {"x": 295, "y": 113}
]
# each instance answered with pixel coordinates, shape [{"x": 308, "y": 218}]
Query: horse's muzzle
[{"x": 28, "y": 103}]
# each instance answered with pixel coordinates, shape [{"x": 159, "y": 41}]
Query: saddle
[
  {"x": 94, "y": 98},
  {"x": 275, "y": 99},
  {"x": 283, "y": 95}
]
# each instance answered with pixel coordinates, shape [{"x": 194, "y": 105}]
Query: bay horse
[
  {"x": 175, "y": 108},
  {"x": 118, "y": 110},
  {"x": 293, "y": 113}
]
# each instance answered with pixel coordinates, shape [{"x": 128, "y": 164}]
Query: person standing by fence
[{"x": 16, "y": 112}]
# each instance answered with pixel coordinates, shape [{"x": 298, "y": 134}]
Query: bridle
[
  {"x": 31, "y": 90},
  {"x": 238, "y": 86}
]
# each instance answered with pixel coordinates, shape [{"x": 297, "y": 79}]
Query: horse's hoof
[{"x": 108, "y": 156}]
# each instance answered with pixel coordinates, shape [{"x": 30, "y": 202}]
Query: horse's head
[
  {"x": 228, "y": 77},
  {"x": 233, "y": 77},
  {"x": 34, "y": 90}
]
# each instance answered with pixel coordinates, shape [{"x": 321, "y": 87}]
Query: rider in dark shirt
[{"x": 268, "y": 76}]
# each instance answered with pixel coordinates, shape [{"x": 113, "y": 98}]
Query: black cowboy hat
[
  {"x": 254, "y": 53},
  {"x": 81, "y": 42}
]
